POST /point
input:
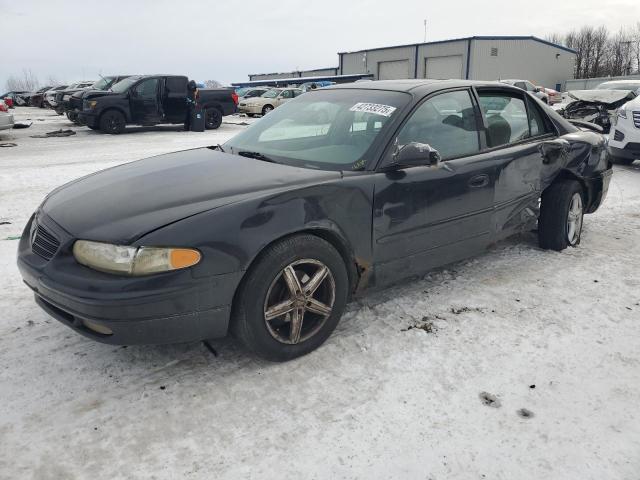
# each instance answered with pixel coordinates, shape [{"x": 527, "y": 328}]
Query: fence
[{"x": 589, "y": 83}]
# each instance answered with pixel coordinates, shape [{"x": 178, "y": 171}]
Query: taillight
[
  {"x": 9, "y": 102},
  {"x": 234, "y": 95}
]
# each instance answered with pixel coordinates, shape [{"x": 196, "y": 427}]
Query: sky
[{"x": 207, "y": 39}]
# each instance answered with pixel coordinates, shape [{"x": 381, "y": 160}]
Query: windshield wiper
[{"x": 257, "y": 156}]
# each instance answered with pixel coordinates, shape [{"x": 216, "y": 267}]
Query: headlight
[
  {"x": 622, "y": 113},
  {"x": 92, "y": 104},
  {"x": 135, "y": 261}
]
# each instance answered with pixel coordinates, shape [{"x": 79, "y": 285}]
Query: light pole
[{"x": 425, "y": 30}]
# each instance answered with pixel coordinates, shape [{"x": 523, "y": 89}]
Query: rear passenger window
[
  {"x": 176, "y": 85},
  {"x": 506, "y": 118},
  {"x": 538, "y": 125},
  {"x": 447, "y": 122}
]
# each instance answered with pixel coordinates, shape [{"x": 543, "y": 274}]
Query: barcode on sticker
[{"x": 375, "y": 108}]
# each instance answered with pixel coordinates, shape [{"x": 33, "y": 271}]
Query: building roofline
[
  {"x": 466, "y": 39},
  {"x": 295, "y": 71}
]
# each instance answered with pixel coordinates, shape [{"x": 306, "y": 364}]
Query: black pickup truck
[{"x": 152, "y": 100}]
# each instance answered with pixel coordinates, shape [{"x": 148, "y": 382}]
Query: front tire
[
  {"x": 213, "y": 118},
  {"x": 291, "y": 299},
  {"x": 112, "y": 121},
  {"x": 266, "y": 109},
  {"x": 561, "y": 215}
]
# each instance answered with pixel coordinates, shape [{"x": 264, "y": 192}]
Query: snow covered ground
[{"x": 557, "y": 334}]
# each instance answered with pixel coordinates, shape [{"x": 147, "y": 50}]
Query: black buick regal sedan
[{"x": 339, "y": 191}]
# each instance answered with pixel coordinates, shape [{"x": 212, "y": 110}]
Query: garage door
[
  {"x": 443, "y": 67},
  {"x": 393, "y": 70}
]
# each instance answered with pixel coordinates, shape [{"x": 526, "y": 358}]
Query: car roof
[{"x": 418, "y": 85}]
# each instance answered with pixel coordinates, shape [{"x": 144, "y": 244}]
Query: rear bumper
[{"x": 599, "y": 186}]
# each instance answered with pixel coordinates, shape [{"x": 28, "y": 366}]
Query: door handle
[{"x": 479, "y": 181}]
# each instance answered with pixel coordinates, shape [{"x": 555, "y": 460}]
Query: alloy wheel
[
  {"x": 299, "y": 301},
  {"x": 574, "y": 219}
]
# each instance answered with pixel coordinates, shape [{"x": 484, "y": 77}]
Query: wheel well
[
  {"x": 327, "y": 235},
  {"x": 565, "y": 175},
  {"x": 112, "y": 109}
]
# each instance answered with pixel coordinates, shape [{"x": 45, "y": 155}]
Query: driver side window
[
  {"x": 147, "y": 88},
  {"x": 447, "y": 122}
]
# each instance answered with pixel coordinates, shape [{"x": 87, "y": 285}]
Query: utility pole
[{"x": 425, "y": 30}]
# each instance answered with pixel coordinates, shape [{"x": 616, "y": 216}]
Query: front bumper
[
  {"x": 624, "y": 138},
  {"x": 172, "y": 307},
  {"x": 88, "y": 118},
  {"x": 250, "y": 109}
]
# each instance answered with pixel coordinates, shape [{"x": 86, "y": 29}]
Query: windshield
[
  {"x": 618, "y": 86},
  {"x": 241, "y": 91},
  {"x": 123, "y": 85},
  {"x": 102, "y": 83},
  {"x": 273, "y": 93},
  {"x": 325, "y": 129}
]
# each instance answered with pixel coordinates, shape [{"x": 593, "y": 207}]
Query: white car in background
[
  {"x": 632, "y": 85},
  {"x": 50, "y": 95},
  {"x": 527, "y": 86},
  {"x": 624, "y": 137},
  {"x": 6, "y": 118}
]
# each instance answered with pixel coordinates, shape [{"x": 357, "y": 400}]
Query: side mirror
[
  {"x": 553, "y": 150},
  {"x": 416, "y": 154}
]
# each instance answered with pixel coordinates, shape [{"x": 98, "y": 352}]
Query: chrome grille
[
  {"x": 636, "y": 119},
  {"x": 44, "y": 243}
]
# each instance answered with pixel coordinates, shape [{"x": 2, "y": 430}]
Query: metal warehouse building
[{"x": 475, "y": 58}]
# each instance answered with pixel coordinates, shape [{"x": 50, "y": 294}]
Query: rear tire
[
  {"x": 561, "y": 215},
  {"x": 213, "y": 118},
  {"x": 288, "y": 266},
  {"x": 113, "y": 122}
]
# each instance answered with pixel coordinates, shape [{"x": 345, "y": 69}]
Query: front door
[
  {"x": 429, "y": 216},
  {"x": 144, "y": 101}
]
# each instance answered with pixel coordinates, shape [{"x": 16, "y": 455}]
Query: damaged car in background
[
  {"x": 339, "y": 191},
  {"x": 596, "y": 106}
]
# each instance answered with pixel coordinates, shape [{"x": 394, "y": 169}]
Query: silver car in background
[{"x": 6, "y": 118}]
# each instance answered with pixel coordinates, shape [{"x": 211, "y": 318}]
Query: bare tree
[
  {"x": 27, "y": 82},
  {"x": 212, "y": 84}
]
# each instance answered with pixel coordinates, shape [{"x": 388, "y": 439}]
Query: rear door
[
  {"x": 174, "y": 99},
  {"x": 285, "y": 96},
  {"x": 514, "y": 128},
  {"x": 429, "y": 216},
  {"x": 145, "y": 102}
]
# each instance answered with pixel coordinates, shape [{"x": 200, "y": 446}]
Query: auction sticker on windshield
[{"x": 376, "y": 108}]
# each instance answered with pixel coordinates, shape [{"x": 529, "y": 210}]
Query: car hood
[
  {"x": 121, "y": 204},
  {"x": 88, "y": 94},
  {"x": 601, "y": 96}
]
